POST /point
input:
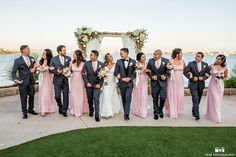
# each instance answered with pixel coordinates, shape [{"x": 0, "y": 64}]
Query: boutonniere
[
  {"x": 99, "y": 66},
  {"x": 66, "y": 60},
  {"x": 204, "y": 66},
  {"x": 130, "y": 64},
  {"x": 163, "y": 63},
  {"x": 32, "y": 59}
]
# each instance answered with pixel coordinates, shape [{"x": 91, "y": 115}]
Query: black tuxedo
[
  {"x": 60, "y": 82},
  {"x": 196, "y": 87},
  {"x": 21, "y": 72},
  {"x": 125, "y": 88},
  {"x": 159, "y": 87}
]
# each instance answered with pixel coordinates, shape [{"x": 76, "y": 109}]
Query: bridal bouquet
[
  {"x": 138, "y": 68},
  {"x": 170, "y": 68},
  {"x": 219, "y": 78},
  {"x": 66, "y": 72},
  {"x": 103, "y": 73}
]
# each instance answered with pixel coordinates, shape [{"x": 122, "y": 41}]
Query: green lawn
[{"x": 129, "y": 141}]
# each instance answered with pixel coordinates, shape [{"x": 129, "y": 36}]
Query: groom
[
  {"x": 24, "y": 66},
  {"x": 60, "y": 81},
  {"x": 197, "y": 72},
  {"x": 158, "y": 76},
  {"x": 93, "y": 83},
  {"x": 125, "y": 73}
]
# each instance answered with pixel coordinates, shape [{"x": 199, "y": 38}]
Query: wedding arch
[{"x": 89, "y": 39}]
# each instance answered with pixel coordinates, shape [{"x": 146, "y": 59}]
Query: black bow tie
[{"x": 125, "y": 60}]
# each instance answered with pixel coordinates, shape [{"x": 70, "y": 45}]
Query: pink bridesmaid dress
[
  {"x": 139, "y": 106},
  {"x": 215, "y": 96},
  {"x": 175, "y": 91},
  {"x": 78, "y": 96},
  {"x": 46, "y": 98}
]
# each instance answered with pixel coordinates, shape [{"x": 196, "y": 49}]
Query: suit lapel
[
  {"x": 22, "y": 59},
  {"x": 195, "y": 67}
]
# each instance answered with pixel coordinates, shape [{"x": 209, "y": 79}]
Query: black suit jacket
[
  {"x": 56, "y": 64},
  {"x": 192, "y": 67},
  {"x": 125, "y": 72},
  {"x": 90, "y": 76},
  {"x": 158, "y": 72},
  {"x": 21, "y": 71}
]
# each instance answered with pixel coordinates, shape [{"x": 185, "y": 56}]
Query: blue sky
[{"x": 193, "y": 25}]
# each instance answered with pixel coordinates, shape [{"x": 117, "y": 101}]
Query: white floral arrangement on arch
[
  {"x": 84, "y": 35},
  {"x": 139, "y": 36}
]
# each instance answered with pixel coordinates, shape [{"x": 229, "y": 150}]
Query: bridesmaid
[
  {"x": 46, "y": 93},
  {"x": 78, "y": 96},
  {"x": 139, "y": 106},
  {"x": 215, "y": 93},
  {"x": 175, "y": 84}
]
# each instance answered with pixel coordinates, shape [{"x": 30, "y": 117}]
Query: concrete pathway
[{"x": 14, "y": 130}]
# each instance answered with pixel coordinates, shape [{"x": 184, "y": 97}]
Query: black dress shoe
[
  {"x": 161, "y": 115},
  {"x": 25, "y": 116},
  {"x": 65, "y": 114},
  {"x": 90, "y": 114},
  {"x": 33, "y": 112},
  {"x": 156, "y": 117},
  {"x": 60, "y": 112},
  {"x": 126, "y": 117},
  {"x": 97, "y": 119},
  {"x": 197, "y": 118}
]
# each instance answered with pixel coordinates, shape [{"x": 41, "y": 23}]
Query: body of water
[{"x": 7, "y": 60}]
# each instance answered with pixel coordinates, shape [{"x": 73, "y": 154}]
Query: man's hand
[
  {"x": 127, "y": 79},
  {"x": 200, "y": 78},
  {"x": 18, "y": 82},
  {"x": 207, "y": 75},
  {"x": 98, "y": 86},
  {"x": 89, "y": 85},
  {"x": 124, "y": 79},
  {"x": 163, "y": 77},
  {"x": 59, "y": 71},
  {"x": 154, "y": 77},
  {"x": 195, "y": 79},
  {"x": 190, "y": 75},
  {"x": 118, "y": 76}
]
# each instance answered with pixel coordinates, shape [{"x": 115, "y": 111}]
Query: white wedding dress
[{"x": 110, "y": 101}]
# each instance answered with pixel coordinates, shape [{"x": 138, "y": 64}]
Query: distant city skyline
[{"x": 197, "y": 25}]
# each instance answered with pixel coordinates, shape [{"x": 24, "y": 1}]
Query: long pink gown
[
  {"x": 78, "y": 96},
  {"x": 139, "y": 106},
  {"x": 214, "y": 96},
  {"x": 46, "y": 98},
  {"x": 175, "y": 91}
]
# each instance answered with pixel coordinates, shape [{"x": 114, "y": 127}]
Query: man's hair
[
  {"x": 22, "y": 47},
  {"x": 60, "y": 47},
  {"x": 125, "y": 50},
  {"x": 95, "y": 52},
  {"x": 201, "y": 53}
]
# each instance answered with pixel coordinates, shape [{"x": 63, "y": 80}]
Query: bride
[{"x": 110, "y": 102}]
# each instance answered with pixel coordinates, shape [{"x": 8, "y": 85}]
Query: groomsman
[
  {"x": 158, "y": 76},
  {"x": 197, "y": 72},
  {"x": 125, "y": 73},
  {"x": 60, "y": 81},
  {"x": 93, "y": 83},
  {"x": 24, "y": 67}
]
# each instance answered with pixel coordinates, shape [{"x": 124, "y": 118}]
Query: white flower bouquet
[
  {"x": 103, "y": 73},
  {"x": 66, "y": 72}
]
